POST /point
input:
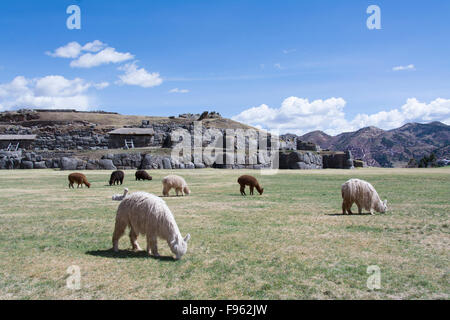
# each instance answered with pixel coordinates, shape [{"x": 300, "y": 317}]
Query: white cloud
[
  {"x": 278, "y": 66},
  {"x": 94, "y": 46},
  {"x": 403, "y": 68},
  {"x": 90, "y": 55},
  {"x": 70, "y": 50},
  {"x": 105, "y": 56},
  {"x": 138, "y": 77},
  {"x": 300, "y": 116},
  {"x": 176, "y": 90},
  {"x": 101, "y": 85},
  {"x": 52, "y": 92}
]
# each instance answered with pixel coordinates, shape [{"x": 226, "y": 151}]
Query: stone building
[
  {"x": 135, "y": 137},
  {"x": 16, "y": 141}
]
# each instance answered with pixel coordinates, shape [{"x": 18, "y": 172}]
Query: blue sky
[{"x": 241, "y": 58}]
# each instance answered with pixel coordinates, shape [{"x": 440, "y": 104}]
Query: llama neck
[{"x": 173, "y": 232}]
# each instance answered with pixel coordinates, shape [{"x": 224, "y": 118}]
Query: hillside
[
  {"x": 104, "y": 120},
  {"x": 389, "y": 148}
]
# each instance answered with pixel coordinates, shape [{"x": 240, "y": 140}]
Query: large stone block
[
  {"x": 106, "y": 164},
  {"x": 39, "y": 165},
  {"x": 68, "y": 163}
]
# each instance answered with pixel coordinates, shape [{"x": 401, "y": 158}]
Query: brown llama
[
  {"x": 78, "y": 178},
  {"x": 250, "y": 181}
]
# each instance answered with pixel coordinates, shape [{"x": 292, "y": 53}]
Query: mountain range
[{"x": 388, "y": 148}]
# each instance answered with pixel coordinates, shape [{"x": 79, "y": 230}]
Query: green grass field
[{"x": 290, "y": 243}]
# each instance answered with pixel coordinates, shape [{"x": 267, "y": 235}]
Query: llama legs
[
  {"x": 243, "y": 190},
  {"x": 119, "y": 230},
  {"x": 346, "y": 206},
  {"x": 359, "y": 209},
  {"x": 152, "y": 245},
  {"x": 133, "y": 240}
]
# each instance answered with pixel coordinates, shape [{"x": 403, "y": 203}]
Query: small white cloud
[
  {"x": 278, "y": 66},
  {"x": 101, "y": 85},
  {"x": 90, "y": 55},
  {"x": 176, "y": 90},
  {"x": 287, "y": 51},
  {"x": 402, "y": 68},
  {"x": 105, "y": 56},
  {"x": 70, "y": 50},
  {"x": 52, "y": 92},
  {"x": 73, "y": 49},
  {"x": 138, "y": 77}
]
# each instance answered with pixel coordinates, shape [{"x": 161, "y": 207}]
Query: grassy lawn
[{"x": 290, "y": 243}]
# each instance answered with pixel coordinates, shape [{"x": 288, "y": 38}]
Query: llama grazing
[
  {"x": 363, "y": 194},
  {"x": 120, "y": 197},
  {"x": 177, "y": 183},
  {"x": 142, "y": 175},
  {"x": 250, "y": 181},
  {"x": 79, "y": 179},
  {"x": 116, "y": 177},
  {"x": 149, "y": 215}
]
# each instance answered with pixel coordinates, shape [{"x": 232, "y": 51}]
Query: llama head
[
  {"x": 179, "y": 246},
  {"x": 261, "y": 192},
  {"x": 384, "y": 206},
  {"x": 88, "y": 184},
  {"x": 186, "y": 190}
]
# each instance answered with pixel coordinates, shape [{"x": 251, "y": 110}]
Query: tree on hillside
[{"x": 428, "y": 162}]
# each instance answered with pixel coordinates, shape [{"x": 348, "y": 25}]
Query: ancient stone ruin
[{"x": 28, "y": 142}]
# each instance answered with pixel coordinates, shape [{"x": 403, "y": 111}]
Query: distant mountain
[{"x": 394, "y": 147}]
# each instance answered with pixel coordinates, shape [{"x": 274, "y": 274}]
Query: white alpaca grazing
[
  {"x": 119, "y": 197},
  {"x": 175, "y": 182},
  {"x": 148, "y": 215},
  {"x": 363, "y": 194}
]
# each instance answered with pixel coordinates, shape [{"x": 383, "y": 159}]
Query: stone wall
[
  {"x": 300, "y": 160},
  {"x": 338, "y": 160},
  {"x": 50, "y": 138}
]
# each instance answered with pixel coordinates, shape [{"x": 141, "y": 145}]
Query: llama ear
[
  {"x": 385, "y": 202},
  {"x": 186, "y": 239}
]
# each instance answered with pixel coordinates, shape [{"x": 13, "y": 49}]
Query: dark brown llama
[
  {"x": 116, "y": 177},
  {"x": 250, "y": 181},
  {"x": 142, "y": 175}
]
